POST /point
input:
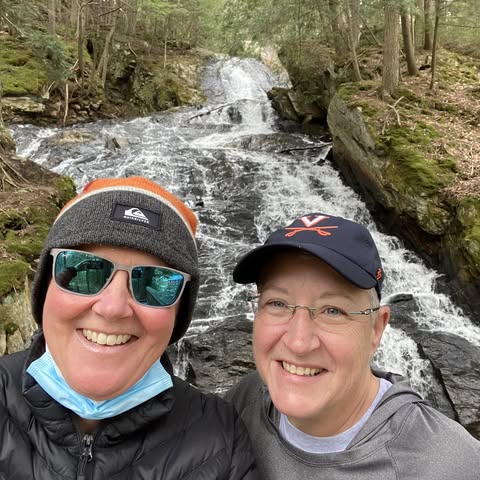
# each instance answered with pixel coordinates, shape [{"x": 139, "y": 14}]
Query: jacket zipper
[{"x": 86, "y": 455}]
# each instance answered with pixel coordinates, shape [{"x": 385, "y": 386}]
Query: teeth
[
  {"x": 308, "y": 372},
  {"x": 105, "y": 339}
]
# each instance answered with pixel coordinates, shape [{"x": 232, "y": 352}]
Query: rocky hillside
[
  {"x": 140, "y": 81},
  {"x": 30, "y": 198}
]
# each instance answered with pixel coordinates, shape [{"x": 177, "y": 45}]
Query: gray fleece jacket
[{"x": 405, "y": 438}]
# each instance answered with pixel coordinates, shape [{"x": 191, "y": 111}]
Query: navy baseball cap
[{"x": 346, "y": 246}]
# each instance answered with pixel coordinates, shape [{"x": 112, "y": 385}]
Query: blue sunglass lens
[
  {"x": 81, "y": 272},
  {"x": 156, "y": 286},
  {"x": 86, "y": 274}
]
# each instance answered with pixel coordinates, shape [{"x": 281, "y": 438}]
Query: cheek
[
  {"x": 62, "y": 306},
  {"x": 348, "y": 348},
  {"x": 158, "y": 323},
  {"x": 264, "y": 339}
]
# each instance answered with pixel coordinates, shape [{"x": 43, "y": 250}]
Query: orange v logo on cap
[
  {"x": 309, "y": 226},
  {"x": 310, "y": 223}
]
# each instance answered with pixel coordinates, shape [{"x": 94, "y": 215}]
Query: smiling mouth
[
  {"x": 101, "y": 338},
  {"x": 302, "y": 371}
]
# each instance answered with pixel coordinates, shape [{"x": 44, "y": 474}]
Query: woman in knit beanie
[{"x": 95, "y": 396}]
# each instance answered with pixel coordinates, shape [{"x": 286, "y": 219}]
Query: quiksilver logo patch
[{"x": 136, "y": 215}]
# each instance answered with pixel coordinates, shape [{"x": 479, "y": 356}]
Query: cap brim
[{"x": 248, "y": 268}]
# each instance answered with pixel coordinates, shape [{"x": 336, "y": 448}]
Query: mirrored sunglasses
[{"x": 83, "y": 273}]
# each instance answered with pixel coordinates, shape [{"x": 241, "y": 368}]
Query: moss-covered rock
[
  {"x": 16, "y": 322},
  {"x": 12, "y": 275},
  {"x": 23, "y": 73},
  {"x": 25, "y": 217},
  {"x": 7, "y": 143},
  {"x": 463, "y": 240},
  {"x": 157, "y": 87}
]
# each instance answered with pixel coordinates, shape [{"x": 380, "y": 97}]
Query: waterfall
[{"x": 230, "y": 157}]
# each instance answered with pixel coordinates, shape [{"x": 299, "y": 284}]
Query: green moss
[
  {"x": 12, "y": 275},
  {"x": 408, "y": 95},
  {"x": 157, "y": 88},
  {"x": 65, "y": 190},
  {"x": 11, "y": 220},
  {"x": 22, "y": 72},
  {"x": 26, "y": 244},
  {"x": 413, "y": 164},
  {"x": 349, "y": 90},
  {"x": 366, "y": 109},
  {"x": 23, "y": 232},
  {"x": 468, "y": 215}
]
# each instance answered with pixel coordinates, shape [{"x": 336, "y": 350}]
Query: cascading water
[{"x": 244, "y": 178}]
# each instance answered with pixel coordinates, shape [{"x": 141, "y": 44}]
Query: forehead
[
  {"x": 124, "y": 255},
  {"x": 292, "y": 268}
]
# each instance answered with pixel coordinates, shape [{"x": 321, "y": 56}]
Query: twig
[
  {"x": 18, "y": 174},
  {"x": 13, "y": 25},
  {"x": 5, "y": 212},
  {"x": 66, "y": 105},
  {"x": 1, "y": 112},
  {"x": 396, "y": 113},
  {"x": 286, "y": 150}
]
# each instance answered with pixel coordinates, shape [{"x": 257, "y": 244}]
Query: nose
[
  {"x": 115, "y": 301},
  {"x": 301, "y": 335}
]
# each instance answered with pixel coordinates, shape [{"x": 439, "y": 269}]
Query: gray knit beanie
[{"x": 126, "y": 212}]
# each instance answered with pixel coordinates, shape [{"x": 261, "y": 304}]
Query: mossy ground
[
  {"x": 23, "y": 73},
  {"x": 429, "y": 137},
  {"x": 432, "y": 132},
  {"x": 27, "y": 211},
  {"x": 26, "y": 215}
]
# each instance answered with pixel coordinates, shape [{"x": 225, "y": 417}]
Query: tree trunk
[
  {"x": 102, "y": 68},
  {"x": 352, "y": 32},
  {"x": 132, "y": 17},
  {"x": 417, "y": 36},
  {"x": 298, "y": 28},
  {"x": 52, "y": 28},
  {"x": 165, "y": 41},
  {"x": 391, "y": 49},
  {"x": 80, "y": 36},
  {"x": 435, "y": 42},
  {"x": 354, "y": 21},
  {"x": 338, "y": 29},
  {"x": 427, "y": 10},
  {"x": 74, "y": 12},
  {"x": 408, "y": 46}
]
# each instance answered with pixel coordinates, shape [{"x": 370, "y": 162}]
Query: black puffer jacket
[{"x": 180, "y": 434}]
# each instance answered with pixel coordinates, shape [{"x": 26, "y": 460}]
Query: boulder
[
  {"x": 70, "y": 136},
  {"x": 458, "y": 363},
  {"x": 23, "y": 105},
  {"x": 217, "y": 358}
]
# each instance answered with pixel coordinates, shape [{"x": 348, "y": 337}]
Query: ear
[{"x": 379, "y": 325}]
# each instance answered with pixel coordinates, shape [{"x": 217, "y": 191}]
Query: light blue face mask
[{"x": 46, "y": 373}]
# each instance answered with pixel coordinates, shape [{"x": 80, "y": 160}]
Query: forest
[
  {"x": 410, "y": 67},
  {"x": 76, "y": 39}
]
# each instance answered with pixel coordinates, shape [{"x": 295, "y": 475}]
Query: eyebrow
[{"x": 323, "y": 296}]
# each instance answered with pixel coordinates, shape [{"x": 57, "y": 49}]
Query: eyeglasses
[
  {"x": 278, "y": 311},
  {"x": 84, "y": 273}
]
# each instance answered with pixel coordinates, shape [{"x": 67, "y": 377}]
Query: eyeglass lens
[{"x": 87, "y": 274}]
